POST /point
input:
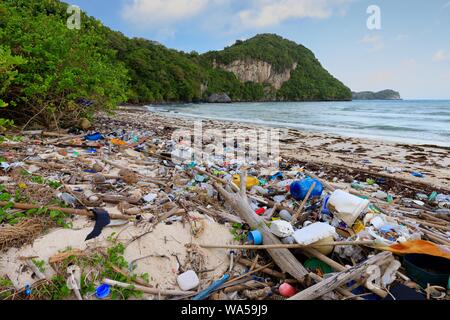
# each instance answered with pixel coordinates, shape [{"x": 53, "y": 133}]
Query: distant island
[{"x": 381, "y": 95}]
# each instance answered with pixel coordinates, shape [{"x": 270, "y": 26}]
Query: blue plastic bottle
[{"x": 299, "y": 189}]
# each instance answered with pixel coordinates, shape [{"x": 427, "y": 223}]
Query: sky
[{"x": 367, "y": 44}]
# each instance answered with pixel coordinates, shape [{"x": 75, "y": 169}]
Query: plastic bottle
[{"x": 299, "y": 189}]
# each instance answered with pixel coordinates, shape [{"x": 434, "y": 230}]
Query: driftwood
[
  {"x": 336, "y": 266},
  {"x": 77, "y": 212},
  {"x": 282, "y": 257},
  {"x": 341, "y": 278},
  {"x": 119, "y": 198},
  {"x": 223, "y": 215},
  {"x": 147, "y": 289},
  {"x": 344, "y": 292}
]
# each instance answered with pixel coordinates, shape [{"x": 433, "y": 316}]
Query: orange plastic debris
[{"x": 118, "y": 142}]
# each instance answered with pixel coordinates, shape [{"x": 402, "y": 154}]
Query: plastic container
[
  {"x": 313, "y": 264},
  {"x": 286, "y": 290},
  {"x": 260, "y": 211},
  {"x": 314, "y": 232},
  {"x": 250, "y": 182},
  {"x": 425, "y": 269},
  {"x": 255, "y": 237},
  {"x": 346, "y": 206},
  {"x": 103, "y": 291},
  {"x": 299, "y": 189}
]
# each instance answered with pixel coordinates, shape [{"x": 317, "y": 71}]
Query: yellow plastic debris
[
  {"x": 22, "y": 185},
  {"x": 251, "y": 181}
]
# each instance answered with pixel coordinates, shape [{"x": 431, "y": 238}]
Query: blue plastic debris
[
  {"x": 215, "y": 285},
  {"x": 102, "y": 291},
  {"x": 94, "y": 136},
  {"x": 418, "y": 174},
  {"x": 299, "y": 189}
]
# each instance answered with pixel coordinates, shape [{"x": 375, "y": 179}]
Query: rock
[
  {"x": 188, "y": 280},
  {"x": 382, "y": 95},
  {"x": 259, "y": 71},
  {"x": 85, "y": 124},
  {"x": 219, "y": 98}
]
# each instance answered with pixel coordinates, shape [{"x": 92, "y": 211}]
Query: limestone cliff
[{"x": 258, "y": 71}]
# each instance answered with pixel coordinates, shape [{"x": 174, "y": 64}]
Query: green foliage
[
  {"x": 238, "y": 233},
  {"x": 106, "y": 264},
  {"x": 62, "y": 65},
  {"x": 8, "y": 75},
  {"x": 6, "y": 288},
  {"x": 45, "y": 67},
  {"x": 40, "y": 264}
]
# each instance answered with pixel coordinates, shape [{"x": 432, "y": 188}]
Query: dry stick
[
  {"x": 431, "y": 235},
  {"x": 268, "y": 271},
  {"x": 343, "y": 291},
  {"x": 271, "y": 203},
  {"x": 289, "y": 246},
  {"x": 249, "y": 273},
  {"x": 147, "y": 289},
  {"x": 223, "y": 215},
  {"x": 77, "y": 212},
  {"x": 430, "y": 224},
  {"x": 302, "y": 205},
  {"x": 340, "y": 278}
]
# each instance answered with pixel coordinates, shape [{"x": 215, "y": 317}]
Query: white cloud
[
  {"x": 409, "y": 63},
  {"x": 157, "y": 12},
  {"x": 265, "y": 13},
  {"x": 375, "y": 41},
  {"x": 441, "y": 56},
  {"x": 447, "y": 5}
]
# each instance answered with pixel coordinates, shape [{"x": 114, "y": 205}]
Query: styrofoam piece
[
  {"x": 281, "y": 228},
  {"x": 188, "y": 280},
  {"x": 313, "y": 233}
]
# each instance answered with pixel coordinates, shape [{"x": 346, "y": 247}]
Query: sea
[{"x": 402, "y": 121}]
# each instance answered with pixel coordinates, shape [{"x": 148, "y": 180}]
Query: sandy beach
[{"x": 161, "y": 249}]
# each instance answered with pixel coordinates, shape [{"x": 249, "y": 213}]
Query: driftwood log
[
  {"x": 284, "y": 259},
  {"x": 341, "y": 278},
  {"x": 311, "y": 252}
]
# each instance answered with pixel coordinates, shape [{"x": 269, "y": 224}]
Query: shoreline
[
  {"x": 303, "y": 127},
  {"x": 331, "y": 150}
]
